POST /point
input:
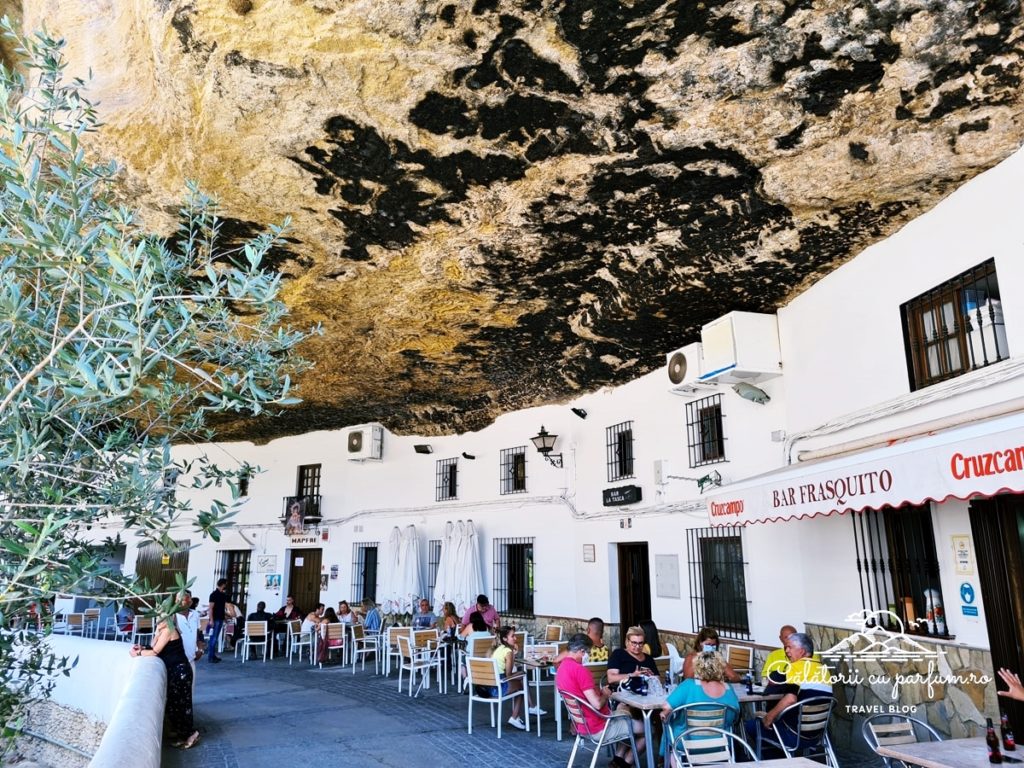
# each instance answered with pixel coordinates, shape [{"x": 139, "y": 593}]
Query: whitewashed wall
[{"x": 842, "y": 348}]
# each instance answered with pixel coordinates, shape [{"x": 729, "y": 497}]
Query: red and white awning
[{"x": 980, "y": 459}]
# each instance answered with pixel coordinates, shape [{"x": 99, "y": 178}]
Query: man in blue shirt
[{"x": 372, "y": 618}]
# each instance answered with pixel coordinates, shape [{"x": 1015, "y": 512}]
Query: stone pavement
[{"x": 276, "y": 715}]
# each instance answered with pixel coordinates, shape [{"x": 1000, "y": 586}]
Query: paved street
[{"x": 275, "y": 715}]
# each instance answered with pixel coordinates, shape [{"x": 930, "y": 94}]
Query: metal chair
[
  {"x": 75, "y": 624},
  {"x": 92, "y": 622},
  {"x": 897, "y": 729},
  {"x": 704, "y": 745},
  {"x": 585, "y": 737},
  {"x": 364, "y": 644},
  {"x": 417, "y": 659},
  {"x": 256, "y": 633},
  {"x": 142, "y": 629},
  {"x": 697, "y": 715},
  {"x": 297, "y": 640},
  {"x": 483, "y": 672},
  {"x": 801, "y": 729}
]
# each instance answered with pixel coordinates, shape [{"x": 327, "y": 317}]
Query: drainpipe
[{"x": 916, "y": 430}]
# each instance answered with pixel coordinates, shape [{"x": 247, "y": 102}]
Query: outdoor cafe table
[
  {"x": 954, "y": 753},
  {"x": 647, "y": 705},
  {"x": 753, "y": 700},
  {"x": 537, "y": 667}
]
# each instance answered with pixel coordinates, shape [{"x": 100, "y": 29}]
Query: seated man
[
  {"x": 485, "y": 609},
  {"x": 372, "y": 619},
  {"x": 287, "y": 612},
  {"x": 806, "y": 678},
  {"x": 595, "y": 631},
  {"x": 424, "y": 618},
  {"x": 776, "y": 660},
  {"x": 261, "y": 614},
  {"x": 573, "y": 679}
]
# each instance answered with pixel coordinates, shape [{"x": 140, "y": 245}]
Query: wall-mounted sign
[
  {"x": 962, "y": 555},
  {"x": 304, "y": 540},
  {"x": 266, "y": 563},
  {"x": 624, "y": 494}
]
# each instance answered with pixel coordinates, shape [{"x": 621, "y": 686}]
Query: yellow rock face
[{"x": 502, "y": 203}]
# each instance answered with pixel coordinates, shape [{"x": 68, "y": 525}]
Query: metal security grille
[
  {"x": 234, "y": 566},
  {"x": 447, "y": 480},
  {"x": 956, "y": 327},
  {"x": 718, "y": 587},
  {"x": 705, "y": 439},
  {"x": 513, "y": 470},
  {"x": 433, "y": 562},
  {"x": 619, "y": 449},
  {"x": 898, "y": 568},
  {"x": 364, "y": 570},
  {"x": 513, "y": 577}
]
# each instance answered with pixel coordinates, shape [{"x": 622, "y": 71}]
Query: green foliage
[{"x": 114, "y": 345}]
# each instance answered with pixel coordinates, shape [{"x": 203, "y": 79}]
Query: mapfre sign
[{"x": 960, "y": 463}]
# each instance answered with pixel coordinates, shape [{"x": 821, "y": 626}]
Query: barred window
[
  {"x": 705, "y": 439},
  {"x": 308, "y": 488},
  {"x": 513, "y": 577},
  {"x": 447, "y": 480},
  {"x": 433, "y": 563},
  {"x": 364, "y": 570},
  {"x": 619, "y": 449},
  {"x": 513, "y": 470},
  {"x": 955, "y": 328},
  {"x": 718, "y": 587},
  {"x": 898, "y": 567}
]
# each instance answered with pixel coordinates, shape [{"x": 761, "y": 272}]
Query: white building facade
[{"x": 861, "y": 449}]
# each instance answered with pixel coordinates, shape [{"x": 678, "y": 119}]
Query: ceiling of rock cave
[{"x": 502, "y": 203}]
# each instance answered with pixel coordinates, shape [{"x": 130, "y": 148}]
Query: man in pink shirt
[
  {"x": 574, "y": 679},
  {"x": 483, "y": 605}
]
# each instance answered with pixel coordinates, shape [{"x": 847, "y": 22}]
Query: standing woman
[{"x": 168, "y": 646}]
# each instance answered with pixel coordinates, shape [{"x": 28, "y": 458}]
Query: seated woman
[
  {"x": 326, "y": 643},
  {"x": 345, "y": 614},
  {"x": 477, "y": 627},
  {"x": 449, "y": 619},
  {"x": 652, "y": 644},
  {"x": 628, "y": 666},
  {"x": 708, "y": 686},
  {"x": 505, "y": 653},
  {"x": 706, "y": 642}
]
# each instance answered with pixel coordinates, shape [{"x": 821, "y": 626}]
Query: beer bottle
[
  {"x": 994, "y": 755},
  {"x": 1004, "y": 729}
]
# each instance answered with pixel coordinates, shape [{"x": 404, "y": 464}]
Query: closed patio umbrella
[
  {"x": 469, "y": 579},
  {"x": 445, "y": 569},
  {"x": 388, "y": 598},
  {"x": 410, "y": 586}
]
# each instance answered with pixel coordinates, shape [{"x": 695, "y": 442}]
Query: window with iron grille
[
  {"x": 447, "y": 480},
  {"x": 243, "y": 485},
  {"x": 234, "y": 566},
  {"x": 718, "y": 586},
  {"x": 619, "y": 448},
  {"x": 364, "y": 570},
  {"x": 433, "y": 563},
  {"x": 170, "y": 483},
  {"x": 955, "y": 328},
  {"x": 704, "y": 436},
  {"x": 513, "y": 577},
  {"x": 898, "y": 567},
  {"x": 513, "y": 470}
]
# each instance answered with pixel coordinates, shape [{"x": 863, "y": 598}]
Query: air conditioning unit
[
  {"x": 685, "y": 367},
  {"x": 364, "y": 442},
  {"x": 741, "y": 347}
]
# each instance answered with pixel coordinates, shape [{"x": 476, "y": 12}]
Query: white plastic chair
[
  {"x": 577, "y": 707},
  {"x": 484, "y": 672},
  {"x": 676, "y": 662}
]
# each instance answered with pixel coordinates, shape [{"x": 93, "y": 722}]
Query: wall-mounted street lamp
[{"x": 545, "y": 443}]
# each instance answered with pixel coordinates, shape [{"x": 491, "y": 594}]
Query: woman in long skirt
[{"x": 168, "y": 646}]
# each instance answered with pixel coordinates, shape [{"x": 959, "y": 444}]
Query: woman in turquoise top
[{"x": 708, "y": 686}]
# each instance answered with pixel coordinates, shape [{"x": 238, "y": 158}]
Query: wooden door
[
  {"x": 997, "y": 526},
  {"x": 304, "y": 578},
  {"x": 634, "y": 585}
]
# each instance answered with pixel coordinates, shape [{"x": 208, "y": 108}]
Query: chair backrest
[
  {"x": 898, "y": 729},
  {"x": 739, "y": 657},
  {"x": 577, "y": 708},
  {"x": 597, "y": 670},
  {"x": 92, "y": 613},
  {"x": 255, "y": 629},
  {"x": 76, "y": 619},
  {"x": 521, "y": 640},
  {"x": 358, "y": 632},
  {"x": 539, "y": 650},
  {"x": 335, "y": 631},
  {"x": 396, "y": 632},
  {"x": 404, "y": 647},
  {"x": 295, "y": 627},
  {"x": 695, "y": 715},
  {"x": 812, "y": 716},
  {"x": 423, "y": 637},
  {"x": 143, "y": 624},
  {"x": 483, "y": 671},
  {"x": 552, "y": 633},
  {"x": 663, "y": 663},
  {"x": 481, "y": 647},
  {"x": 702, "y": 746}
]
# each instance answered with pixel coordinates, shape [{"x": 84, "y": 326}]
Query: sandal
[{"x": 191, "y": 742}]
